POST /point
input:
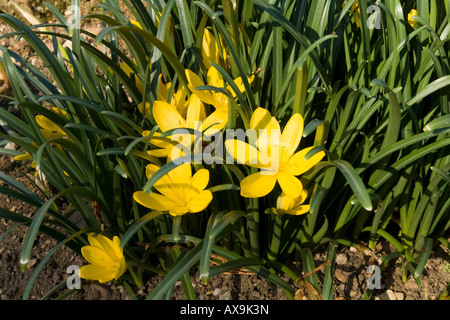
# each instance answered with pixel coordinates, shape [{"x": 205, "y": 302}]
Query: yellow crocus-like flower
[
  {"x": 412, "y": 13},
  {"x": 49, "y": 129},
  {"x": 355, "y": 6},
  {"x": 218, "y": 119},
  {"x": 167, "y": 117},
  {"x": 356, "y": 11},
  {"x": 106, "y": 258},
  {"x": 274, "y": 153},
  {"x": 210, "y": 50},
  {"x": 291, "y": 206},
  {"x": 179, "y": 96},
  {"x": 180, "y": 192},
  {"x": 130, "y": 73}
]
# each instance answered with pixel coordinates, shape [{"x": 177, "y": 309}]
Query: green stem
[{"x": 276, "y": 237}]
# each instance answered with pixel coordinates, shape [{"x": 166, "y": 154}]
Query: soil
[{"x": 350, "y": 280}]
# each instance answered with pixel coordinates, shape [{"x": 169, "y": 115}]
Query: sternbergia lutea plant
[{"x": 244, "y": 133}]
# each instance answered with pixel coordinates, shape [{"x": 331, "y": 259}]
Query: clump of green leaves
[{"x": 374, "y": 101}]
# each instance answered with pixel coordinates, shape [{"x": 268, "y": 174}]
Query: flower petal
[
  {"x": 154, "y": 201},
  {"x": 181, "y": 176},
  {"x": 297, "y": 211},
  {"x": 216, "y": 121},
  {"x": 109, "y": 246},
  {"x": 147, "y": 109},
  {"x": 215, "y": 78},
  {"x": 262, "y": 119},
  {"x": 163, "y": 185},
  {"x": 195, "y": 112},
  {"x": 200, "y": 202},
  {"x": 290, "y": 185},
  {"x": 46, "y": 123},
  {"x": 97, "y": 256},
  {"x": 209, "y": 48},
  {"x": 298, "y": 165},
  {"x": 240, "y": 84},
  {"x": 291, "y": 136},
  {"x": 94, "y": 272},
  {"x": 163, "y": 89},
  {"x": 267, "y": 130},
  {"x": 200, "y": 180},
  {"x": 245, "y": 153},
  {"x": 194, "y": 82},
  {"x": 257, "y": 185},
  {"x": 167, "y": 117},
  {"x": 121, "y": 268}
]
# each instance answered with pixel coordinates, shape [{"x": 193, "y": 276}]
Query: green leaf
[
  {"x": 355, "y": 182},
  {"x": 137, "y": 226}
]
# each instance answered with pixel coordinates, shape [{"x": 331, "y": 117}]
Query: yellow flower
[
  {"x": 292, "y": 206},
  {"x": 179, "y": 98},
  {"x": 218, "y": 119},
  {"x": 106, "y": 258},
  {"x": 210, "y": 50},
  {"x": 49, "y": 129},
  {"x": 130, "y": 73},
  {"x": 412, "y": 13},
  {"x": 168, "y": 116},
  {"x": 180, "y": 192},
  {"x": 274, "y": 154},
  {"x": 357, "y": 13}
]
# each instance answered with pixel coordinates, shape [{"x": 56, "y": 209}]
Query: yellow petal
[
  {"x": 97, "y": 256},
  {"x": 262, "y": 119},
  {"x": 291, "y": 136},
  {"x": 121, "y": 268},
  {"x": 180, "y": 101},
  {"x": 154, "y": 201},
  {"x": 135, "y": 23},
  {"x": 194, "y": 82},
  {"x": 208, "y": 48},
  {"x": 245, "y": 153},
  {"x": 200, "y": 202},
  {"x": 147, "y": 109},
  {"x": 290, "y": 185},
  {"x": 298, "y": 165},
  {"x": 94, "y": 272},
  {"x": 411, "y": 14},
  {"x": 160, "y": 153},
  {"x": 216, "y": 121},
  {"x": 181, "y": 176},
  {"x": 297, "y": 211},
  {"x": 22, "y": 157},
  {"x": 284, "y": 202},
  {"x": 268, "y": 144},
  {"x": 267, "y": 130},
  {"x": 167, "y": 117},
  {"x": 214, "y": 77},
  {"x": 200, "y": 180},
  {"x": 257, "y": 185},
  {"x": 46, "y": 123},
  {"x": 163, "y": 89},
  {"x": 240, "y": 84},
  {"x": 195, "y": 112},
  {"x": 163, "y": 185},
  {"x": 109, "y": 246},
  {"x": 179, "y": 211}
]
